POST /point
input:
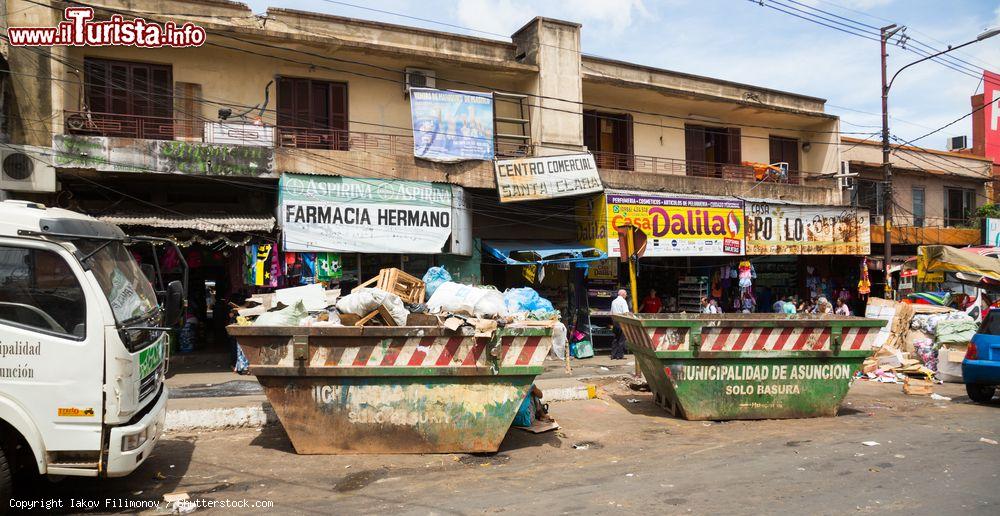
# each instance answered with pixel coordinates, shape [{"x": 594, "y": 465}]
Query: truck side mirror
[{"x": 174, "y": 303}]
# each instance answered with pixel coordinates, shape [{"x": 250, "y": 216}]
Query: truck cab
[
  {"x": 82, "y": 347},
  {"x": 981, "y": 366}
]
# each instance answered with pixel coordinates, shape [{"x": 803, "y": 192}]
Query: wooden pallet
[{"x": 409, "y": 288}]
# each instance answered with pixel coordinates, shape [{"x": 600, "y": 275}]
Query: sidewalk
[{"x": 205, "y": 395}]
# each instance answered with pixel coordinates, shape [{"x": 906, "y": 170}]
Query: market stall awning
[
  {"x": 540, "y": 252},
  {"x": 216, "y": 223},
  {"x": 941, "y": 258}
]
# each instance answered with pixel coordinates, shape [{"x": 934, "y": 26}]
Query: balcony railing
[
  {"x": 680, "y": 167},
  {"x": 164, "y": 128},
  {"x": 129, "y": 126}
]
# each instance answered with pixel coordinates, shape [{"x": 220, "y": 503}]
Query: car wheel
[{"x": 980, "y": 393}]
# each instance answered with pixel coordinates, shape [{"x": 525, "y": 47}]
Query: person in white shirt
[{"x": 619, "y": 306}]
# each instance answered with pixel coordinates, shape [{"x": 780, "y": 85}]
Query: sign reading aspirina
[
  {"x": 530, "y": 179},
  {"x": 326, "y": 213}
]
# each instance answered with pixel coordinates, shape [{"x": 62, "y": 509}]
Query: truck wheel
[
  {"x": 6, "y": 480},
  {"x": 980, "y": 393}
]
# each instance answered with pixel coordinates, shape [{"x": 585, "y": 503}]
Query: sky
[{"x": 742, "y": 41}]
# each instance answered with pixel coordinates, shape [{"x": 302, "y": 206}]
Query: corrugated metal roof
[{"x": 217, "y": 223}]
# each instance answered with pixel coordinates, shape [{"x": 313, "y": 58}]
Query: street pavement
[{"x": 616, "y": 454}]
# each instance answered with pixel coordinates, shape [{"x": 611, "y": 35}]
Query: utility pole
[{"x": 887, "y": 32}]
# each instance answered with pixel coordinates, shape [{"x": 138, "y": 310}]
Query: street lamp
[{"x": 888, "y": 32}]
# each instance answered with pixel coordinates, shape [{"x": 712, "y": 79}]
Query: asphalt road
[{"x": 611, "y": 456}]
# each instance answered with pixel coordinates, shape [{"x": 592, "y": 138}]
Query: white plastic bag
[
  {"x": 559, "y": 341},
  {"x": 288, "y": 316},
  {"x": 457, "y": 298},
  {"x": 365, "y": 300}
]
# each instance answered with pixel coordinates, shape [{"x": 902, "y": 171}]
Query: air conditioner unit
[
  {"x": 878, "y": 220},
  {"x": 27, "y": 169},
  {"x": 958, "y": 143},
  {"x": 420, "y": 78}
]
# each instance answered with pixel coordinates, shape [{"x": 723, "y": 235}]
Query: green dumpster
[
  {"x": 749, "y": 366},
  {"x": 396, "y": 389}
]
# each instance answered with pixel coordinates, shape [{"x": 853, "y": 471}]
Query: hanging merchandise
[
  {"x": 276, "y": 268},
  {"x": 259, "y": 269},
  {"x": 744, "y": 275},
  {"x": 300, "y": 268},
  {"x": 865, "y": 284},
  {"x": 329, "y": 266}
]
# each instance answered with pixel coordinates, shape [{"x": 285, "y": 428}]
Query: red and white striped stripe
[
  {"x": 859, "y": 338},
  {"x": 455, "y": 351},
  {"x": 766, "y": 339},
  {"x": 656, "y": 339}
]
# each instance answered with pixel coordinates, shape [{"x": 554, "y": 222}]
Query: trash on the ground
[
  {"x": 917, "y": 386},
  {"x": 583, "y": 446},
  {"x": 604, "y": 368},
  {"x": 175, "y": 496},
  {"x": 987, "y": 441},
  {"x": 158, "y": 476},
  {"x": 938, "y": 397},
  {"x": 183, "y": 507},
  {"x": 629, "y": 474},
  {"x": 539, "y": 426},
  {"x": 633, "y": 400},
  {"x": 870, "y": 443}
]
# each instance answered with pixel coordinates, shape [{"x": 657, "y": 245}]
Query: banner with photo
[{"x": 450, "y": 126}]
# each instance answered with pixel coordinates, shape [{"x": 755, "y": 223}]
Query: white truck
[{"x": 82, "y": 347}]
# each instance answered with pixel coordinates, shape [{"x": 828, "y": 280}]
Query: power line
[
  {"x": 862, "y": 33},
  {"x": 985, "y": 65},
  {"x": 953, "y": 122}
]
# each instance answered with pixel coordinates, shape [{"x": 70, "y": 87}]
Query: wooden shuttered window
[
  {"x": 130, "y": 99},
  {"x": 724, "y": 143},
  {"x": 784, "y": 150},
  {"x": 610, "y": 137},
  {"x": 312, "y": 113}
]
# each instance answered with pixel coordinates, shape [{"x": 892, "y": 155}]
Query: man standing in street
[{"x": 619, "y": 306}]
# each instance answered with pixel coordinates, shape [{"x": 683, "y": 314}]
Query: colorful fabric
[
  {"x": 259, "y": 265},
  {"x": 931, "y": 298},
  {"x": 329, "y": 266},
  {"x": 300, "y": 268}
]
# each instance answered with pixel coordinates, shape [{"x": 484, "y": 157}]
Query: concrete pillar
[
  {"x": 554, "y": 46},
  {"x": 31, "y": 71}
]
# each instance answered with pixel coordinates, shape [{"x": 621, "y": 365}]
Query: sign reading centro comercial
[
  {"x": 678, "y": 225},
  {"x": 546, "y": 177},
  {"x": 774, "y": 229},
  {"x": 327, "y": 213}
]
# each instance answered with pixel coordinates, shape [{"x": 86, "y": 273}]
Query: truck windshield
[{"x": 127, "y": 289}]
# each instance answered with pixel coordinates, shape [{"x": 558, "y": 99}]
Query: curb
[
  {"x": 580, "y": 392},
  {"x": 261, "y": 414},
  {"x": 251, "y": 416}
]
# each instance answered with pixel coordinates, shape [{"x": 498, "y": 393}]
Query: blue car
[{"x": 981, "y": 367}]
